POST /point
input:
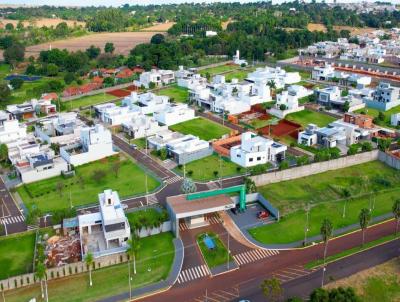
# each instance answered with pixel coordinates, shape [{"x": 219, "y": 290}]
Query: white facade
[
  {"x": 142, "y": 126},
  {"x": 174, "y": 114},
  {"x": 278, "y": 75},
  {"x": 40, "y": 166},
  {"x": 395, "y": 119},
  {"x": 256, "y": 150},
  {"x": 107, "y": 231},
  {"x": 157, "y": 76},
  {"x": 236, "y": 59},
  {"x": 10, "y": 129},
  {"x": 323, "y": 73},
  {"x": 95, "y": 143},
  {"x": 290, "y": 103},
  {"x": 146, "y": 103}
]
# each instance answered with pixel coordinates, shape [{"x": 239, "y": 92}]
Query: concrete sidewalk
[{"x": 159, "y": 286}]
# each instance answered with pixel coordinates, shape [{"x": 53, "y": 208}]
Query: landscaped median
[
  {"x": 215, "y": 254},
  {"x": 337, "y": 195},
  {"x": 154, "y": 262},
  {"x": 355, "y": 250},
  {"x": 58, "y": 193}
]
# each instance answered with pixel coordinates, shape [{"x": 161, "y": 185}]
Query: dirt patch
[
  {"x": 316, "y": 27},
  {"x": 120, "y": 93},
  {"x": 159, "y": 26},
  {"x": 123, "y": 42},
  {"x": 44, "y": 22},
  {"x": 355, "y": 30}
]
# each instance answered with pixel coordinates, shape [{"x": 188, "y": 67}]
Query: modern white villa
[
  {"x": 256, "y": 150},
  {"x": 105, "y": 232}
]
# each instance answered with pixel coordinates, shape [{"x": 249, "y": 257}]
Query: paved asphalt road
[
  {"x": 10, "y": 215},
  {"x": 303, "y": 286},
  {"x": 278, "y": 266}
]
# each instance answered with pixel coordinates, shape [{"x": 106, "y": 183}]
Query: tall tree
[
  {"x": 396, "y": 213},
  {"x": 133, "y": 249},
  {"x": 5, "y": 91},
  {"x": 272, "y": 289},
  {"x": 41, "y": 275},
  {"x": 109, "y": 47},
  {"x": 326, "y": 233},
  {"x": 89, "y": 260},
  {"x": 364, "y": 219}
]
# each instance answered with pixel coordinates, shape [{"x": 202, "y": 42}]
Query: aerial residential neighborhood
[{"x": 216, "y": 151}]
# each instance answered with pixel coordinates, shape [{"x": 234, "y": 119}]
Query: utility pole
[
  {"x": 4, "y": 221},
  {"x": 227, "y": 256},
  {"x": 307, "y": 223},
  {"x": 220, "y": 171}
]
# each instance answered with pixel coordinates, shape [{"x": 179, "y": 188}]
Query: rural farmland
[
  {"x": 43, "y": 22},
  {"x": 123, "y": 42}
]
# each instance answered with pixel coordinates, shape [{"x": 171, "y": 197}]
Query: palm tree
[
  {"x": 326, "y": 233},
  {"x": 396, "y": 213},
  {"x": 89, "y": 259},
  {"x": 41, "y": 275},
  {"x": 346, "y": 194},
  {"x": 133, "y": 249},
  {"x": 364, "y": 219}
]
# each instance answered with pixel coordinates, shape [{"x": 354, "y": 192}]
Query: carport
[{"x": 181, "y": 207}]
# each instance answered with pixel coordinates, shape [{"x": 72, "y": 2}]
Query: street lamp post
[
  {"x": 227, "y": 256},
  {"x": 307, "y": 223},
  {"x": 220, "y": 171},
  {"x": 4, "y": 221}
]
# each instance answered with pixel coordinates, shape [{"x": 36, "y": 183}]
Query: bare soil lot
[
  {"x": 123, "y": 42},
  {"x": 159, "y": 27},
  {"x": 43, "y": 22},
  {"x": 353, "y": 30}
]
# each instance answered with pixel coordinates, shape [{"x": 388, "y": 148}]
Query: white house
[
  {"x": 157, "y": 76},
  {"x": 107, "y": 231},
  {"x": 323, "y": 73},
  {"x": 116, "y": 115},
  {"x": 10, "y": 129},
  {"x": 256, "y": 150},
  {"x": 142, "y": 126},
  {"x": 384, "y": 98},
  {"x": 95, "y": 143},
  {"x": 188, "y": 148},
  {"x": 174, "y": 114},
  {"x": 161, "y": 138},
  {"x": 395, "y": 119},
  {"x": 286, "y": 103},
  {"x": 211, "y": 33},
  {"x": 277, "y": 75},
  {"x": 327, "y": 96},
  {"x": 62, "y": 129},
  {"x": 236, "y": 59},
  {"x": 146, "y": 103},
  {"x": 40, "y": 166}
]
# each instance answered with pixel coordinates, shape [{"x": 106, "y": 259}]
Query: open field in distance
[
  {"x": 43, "y": 22},
  {"x": 123, "y": 42}
]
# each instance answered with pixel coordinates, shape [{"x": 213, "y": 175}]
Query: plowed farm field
[{"x": 123, "y": 42}]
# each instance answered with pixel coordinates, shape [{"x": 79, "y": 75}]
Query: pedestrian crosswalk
[
  {"x": 210, "y": 219},
  {"x": 12, "y": 219},
  {"x": 173, "y": 179},
  {"x": 152, "y": 199},
  {"x": 169, "y": 164},
  {"x": 254, "y": 255},
  {"x": 193, "y": 273}
]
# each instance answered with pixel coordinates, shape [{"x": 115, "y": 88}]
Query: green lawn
[
  {"x": 16, "y": 254},
  {"x": 216, "y": 257},
  {"x": 374, "y": 113},
  {"x": 323, "y": 193},
  {"x": 88, "y": 101},
  {"x": 201, "y": 127},
  {"x": 306, "y": 117},
  {"x": 237, "y": 74},
  {"x": 219, "y": 69},
  {"x": 179, "y": 94},
  {"x": 150, "y": 215},
  {"x": 130, "y": 181},
  {"x": 203, "y": 169},
  {"x": 155, "y": 258}
]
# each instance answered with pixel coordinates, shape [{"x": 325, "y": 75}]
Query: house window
[
  {"x": 250, "y": 159},
  {"x": 259, "y": 158}
]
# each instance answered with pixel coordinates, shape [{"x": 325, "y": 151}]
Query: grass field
[
  {"x": 218, "y": 69},
  {"x": 377, "y": 284},
  {"x": 88, "y": 101},
  {"x": 130, "y": 181},
  {"x": 16, "y": 254},
  {"x": 215, "y": 257},
  {"x": 374, "y": 113},
  {"x": 237, "y": 74},
  {"x": 201, "y": 127},
  {"x": 306, "y": 117},
  {"x": 323, "y": 193},
  {"x": 179, "y": 94},
  {"x": 154, "y": 262},
  {"x": 203, "y": 169},
  {"x": 151, "y": 215}
]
